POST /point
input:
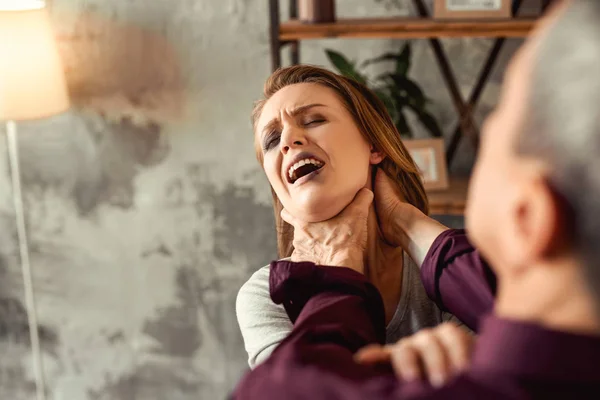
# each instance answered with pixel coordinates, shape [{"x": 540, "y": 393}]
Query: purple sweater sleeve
[
  {"x": 457, "y": 278},
  {"x": 335, "y": 311}
]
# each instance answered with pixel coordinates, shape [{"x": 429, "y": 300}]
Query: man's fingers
[
  {"x": 286, "y": 216},
  {"x": 363, "y": 199},
  {"x": 361, "y": 203},
  {"x": 434, "y": 358},
  {"x": 434, "y": 354},
  {"x": 404, "y": 359},
  {"x": 407, "y": 362},
  {"x": 373, "y": 354},
  {"x": 457, "y": 343},
  {"x": 383, "y": 184}
]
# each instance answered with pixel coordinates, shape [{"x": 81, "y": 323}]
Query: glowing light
[{"x": 21, "y": 5}]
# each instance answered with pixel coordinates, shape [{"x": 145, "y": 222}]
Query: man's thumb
[
  {"x": 383, "y": 185},
  {"x": 363, "y": 199}
]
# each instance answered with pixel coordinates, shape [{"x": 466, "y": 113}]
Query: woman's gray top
[{"x": 265, "y": 324}]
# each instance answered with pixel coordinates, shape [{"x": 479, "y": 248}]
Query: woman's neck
[{"x": 383, "y": 266}]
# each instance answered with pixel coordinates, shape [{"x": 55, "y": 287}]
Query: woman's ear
[{"x": 376, "y": 156}]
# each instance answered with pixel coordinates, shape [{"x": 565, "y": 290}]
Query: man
[{"x": 533, "y": 212}]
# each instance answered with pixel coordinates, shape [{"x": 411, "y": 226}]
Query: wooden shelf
[
  {"x": 405, "y": 28},
  {"x": 450, "y": 201}
]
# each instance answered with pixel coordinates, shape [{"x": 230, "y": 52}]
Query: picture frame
[
  {"x": 430, "y": 158},
  {"x": 472, "y": 9}
]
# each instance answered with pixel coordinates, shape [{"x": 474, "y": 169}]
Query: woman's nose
[{"x": 292, "y": 138}]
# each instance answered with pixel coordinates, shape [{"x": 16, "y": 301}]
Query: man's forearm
[
  {"x": 316, "y": 360},
  {"x": 458, "y": 279},
  {"x": 416, "y": 232},
  {"x": 335, "y": 312}
]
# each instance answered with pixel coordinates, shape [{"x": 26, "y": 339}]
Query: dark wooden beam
[
  {"x": 480, "y": 84},
  {"x": 295, "y": 45},
  {"x": 274, "y": 34},
  {"x": 474, "y": 96},
  {"x": 465, "y": 115}
]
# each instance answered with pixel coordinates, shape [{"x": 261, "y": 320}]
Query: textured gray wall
[{"x": 145, "y": 205}]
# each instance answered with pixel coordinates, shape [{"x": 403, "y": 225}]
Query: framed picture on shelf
[
  {"x": 429, "y": 156},
  {"x": 471, "y": 9}
]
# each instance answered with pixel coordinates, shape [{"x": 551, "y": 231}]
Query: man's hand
[
  {"x": 340, "y": 241},
  {"x": 436, "y": 354},
  {"x": 402, "y": 224},
  {"x": 389, "y": 205}
]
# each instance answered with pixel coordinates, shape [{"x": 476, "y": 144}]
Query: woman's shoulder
[
  {"x": 256, "y": 287},
  {"x": 263, "y": 323}
]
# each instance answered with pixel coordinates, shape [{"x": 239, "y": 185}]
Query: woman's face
[{"x": 315, "y": 157}]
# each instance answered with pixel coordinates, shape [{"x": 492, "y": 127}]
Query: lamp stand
[{"x": 13, "y": 155}]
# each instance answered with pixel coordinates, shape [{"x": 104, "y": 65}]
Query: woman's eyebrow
[
  {"x": 294, "y": 112},
  {"x": 302, "y": 109}
]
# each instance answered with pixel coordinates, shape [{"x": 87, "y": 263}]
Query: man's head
[{"x": 534, "y": 200}]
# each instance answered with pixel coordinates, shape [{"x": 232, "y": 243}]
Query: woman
[{"x": 320, "y": 137}]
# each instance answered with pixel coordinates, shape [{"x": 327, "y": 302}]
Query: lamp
[{"x": 32, "y": 86}]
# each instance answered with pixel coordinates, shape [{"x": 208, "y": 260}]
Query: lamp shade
[{"x": 32, "y": 81}]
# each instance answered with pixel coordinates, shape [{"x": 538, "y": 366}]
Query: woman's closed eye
[
  {"x": 271, "y": 140},
  {"x": 314, "y": 121}
]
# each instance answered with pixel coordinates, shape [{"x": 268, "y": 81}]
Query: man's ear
[
  {"x": 538, "y": 230},
  {"x": 376, "y": 156}
]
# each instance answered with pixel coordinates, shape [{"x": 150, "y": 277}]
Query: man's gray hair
[{"x": 563, "y": 123}]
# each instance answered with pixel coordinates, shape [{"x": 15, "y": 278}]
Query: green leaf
[
  {"x": 397, "y": 93},
  {"x": 426, "y": 118},
  {"x": 344, "y": 66},
  {"x": 414, "y": 91},
  {"x": 387, "y": 77},
  {"x": 381, "y": 58},
  {"x": 430, "y": 123},
  {"x": 388, "y": 101},
  {"x": 403, "y": 60},
  {"x": 400, "y": 101},
  {"x": 407, "y": 88},
  {"x": 402, "y": 125}
]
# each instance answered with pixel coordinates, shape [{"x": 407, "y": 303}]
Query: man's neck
[{"x": 554, "y": 296}]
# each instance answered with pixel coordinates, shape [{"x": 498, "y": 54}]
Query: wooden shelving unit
[
  {"x": 403, "y": 28},
  {"x": 451, "y": 201},
  {"x": 292, "y": 32}
]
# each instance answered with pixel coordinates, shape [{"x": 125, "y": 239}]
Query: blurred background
[{"x": 145, "y": 206}]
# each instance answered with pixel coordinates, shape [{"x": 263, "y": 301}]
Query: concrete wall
[{"x": 145, "y": 205}]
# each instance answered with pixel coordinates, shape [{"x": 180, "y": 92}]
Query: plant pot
[{"x": 316, "y": 11}]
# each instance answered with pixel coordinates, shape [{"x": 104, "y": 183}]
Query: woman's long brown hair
[{"x": 373, "y": 120}]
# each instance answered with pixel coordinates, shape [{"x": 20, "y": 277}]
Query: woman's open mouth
[{"x": 304, "y": 170}]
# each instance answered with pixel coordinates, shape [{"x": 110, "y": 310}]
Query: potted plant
[{"x": 397, "y": 91}]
